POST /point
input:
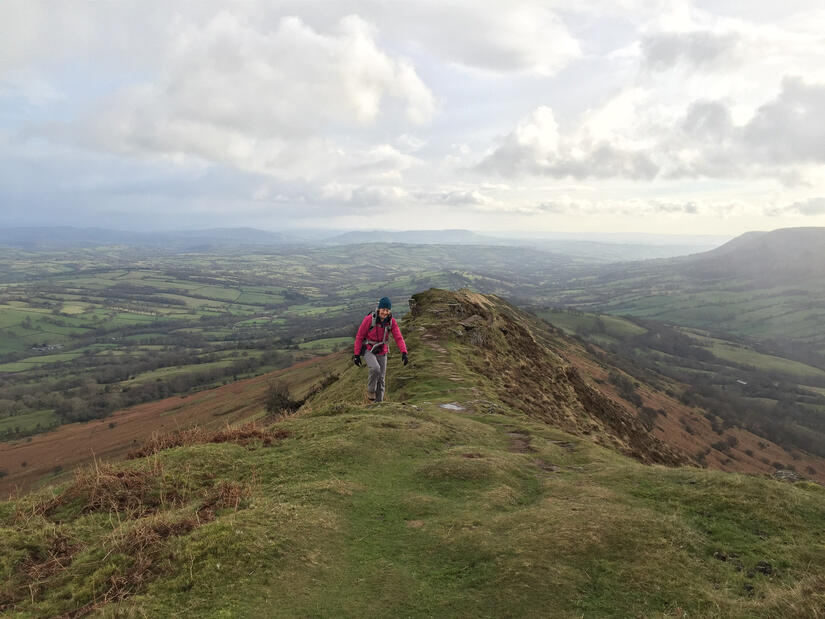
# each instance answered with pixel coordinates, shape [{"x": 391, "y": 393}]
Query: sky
[{"x": 623, "y": 116}]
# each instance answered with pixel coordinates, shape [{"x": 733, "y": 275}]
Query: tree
[{"x": 278, "y": 399}]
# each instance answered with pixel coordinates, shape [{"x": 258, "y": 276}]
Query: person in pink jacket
[{"x": 372, "y": 341}]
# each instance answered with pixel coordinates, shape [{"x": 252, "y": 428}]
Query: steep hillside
[
  {"x": 51, "y": 456},
  {"x": 490, "y": 485}
]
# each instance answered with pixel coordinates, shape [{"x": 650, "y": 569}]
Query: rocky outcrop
[{"x": 509, "y": 348}]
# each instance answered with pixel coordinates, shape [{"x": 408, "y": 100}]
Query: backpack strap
[{"x": 387, "y": 328}]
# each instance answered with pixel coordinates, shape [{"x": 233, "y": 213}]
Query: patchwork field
[
  {"x": 50, "y": 456},
  {"x": 85, "y": 332}
]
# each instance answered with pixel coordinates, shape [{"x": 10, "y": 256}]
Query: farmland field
[{"x": 87, "y": 331}]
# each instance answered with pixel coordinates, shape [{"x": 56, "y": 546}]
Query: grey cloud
[
  {"x": 789, "y": 128},
  {"x": 606, "y": 161},
  {"x": 784, "y": 132},
  {"x": 708, "y": 120},
  {"x": 602, "y": 161},
  {"x": 462, "y": 198},
  {"x": 699, "y": 49},
  {"x": 558, "y": 208},
  {"x": 811, "y": 207},
  {"x": 690, "y": 208}
]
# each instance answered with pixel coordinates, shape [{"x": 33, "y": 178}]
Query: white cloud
[
  {"x": 265, "y": 100},
  {"x": 682, "y": 110},
  {"x": 535, "y": 147},
  {"x": 502, "y": 37},
  {"x": 783, "y": 134}
]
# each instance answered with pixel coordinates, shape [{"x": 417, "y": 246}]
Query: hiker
[{"x": 372, "y": 341}]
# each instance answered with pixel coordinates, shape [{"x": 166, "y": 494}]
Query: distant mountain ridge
[
  {"x": 59, "y": 237},
  {"x": 67, "y": 236},
  {"x": 785, "y": 254},
  {"x": 424, "y": 237},
  {"x": 765, "y": 287}
]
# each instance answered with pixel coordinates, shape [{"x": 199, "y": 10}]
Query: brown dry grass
[
  {"x": 145, "y": 508},
  {"x": 246, "y": 435},
  {"x": 131, "y": 492}
]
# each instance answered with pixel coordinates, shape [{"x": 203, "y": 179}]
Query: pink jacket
[{"x": 376, "y": 334}]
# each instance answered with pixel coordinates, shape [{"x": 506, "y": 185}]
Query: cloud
[
  {"x": 263, "y": 100},
  {"x": 783, "y": 134},
  {"x": 789, "y": 128},
  {"x": 698, "y": 50},
  {"x": 688, "y": 208},
  {"x": 536, "y": 147},
  {"x": 517, "y": 36},
  {"x": 809, "y": 208},
  {"x": 464, "y": 198},
  {"x": 570, "y": 206}
]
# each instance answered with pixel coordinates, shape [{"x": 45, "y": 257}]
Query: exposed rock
[
  {"x": 452, "y": 406},
  {"x": 472, "y": 322},
  {"x": 787, "y": 475}
]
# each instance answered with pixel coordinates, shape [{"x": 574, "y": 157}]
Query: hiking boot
[{"x": 370, "y": 396}]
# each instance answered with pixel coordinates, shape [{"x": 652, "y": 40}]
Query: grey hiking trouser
[{"x": 376, "y": 382}]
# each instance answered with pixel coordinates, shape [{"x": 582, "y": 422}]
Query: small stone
[{"x": 452, "y": 407}]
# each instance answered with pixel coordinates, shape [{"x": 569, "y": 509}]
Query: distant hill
[
  {"x": 779, "y": 256},
  {"x": 492, "y": 483},
  {"x": 592, "y": 251},
  {"x": 415, "y": 237},
  {"x": 65, "y": 236},
  {"x": 767, "y": 287}
]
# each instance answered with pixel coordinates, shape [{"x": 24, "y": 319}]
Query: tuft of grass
[{"x": 246, "y": 434}]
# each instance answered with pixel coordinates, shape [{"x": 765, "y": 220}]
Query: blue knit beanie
[{"x": 385, "y": 303}]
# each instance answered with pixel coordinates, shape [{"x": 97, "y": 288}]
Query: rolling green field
[
  {"x": 86, "y": 331},
  {"x": 788, "y": 317}
]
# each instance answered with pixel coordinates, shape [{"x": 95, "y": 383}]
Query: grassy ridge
[{"x": 410, "y": 509}]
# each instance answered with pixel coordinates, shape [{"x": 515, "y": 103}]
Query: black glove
[
  {"x": 356, "y": 359},
  {"x": 404, "y": 358}
]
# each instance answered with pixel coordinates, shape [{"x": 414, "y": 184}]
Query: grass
[
  {"x": 768, "y": 363},
  {"x": 612, "y": 325},
  {"x": 328, "y": 344},
  {"x": 407, "y": 509},
  {"x": 30, "y": 421}
]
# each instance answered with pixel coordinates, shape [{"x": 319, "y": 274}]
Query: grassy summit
[{"x": 516, "y": 501}]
